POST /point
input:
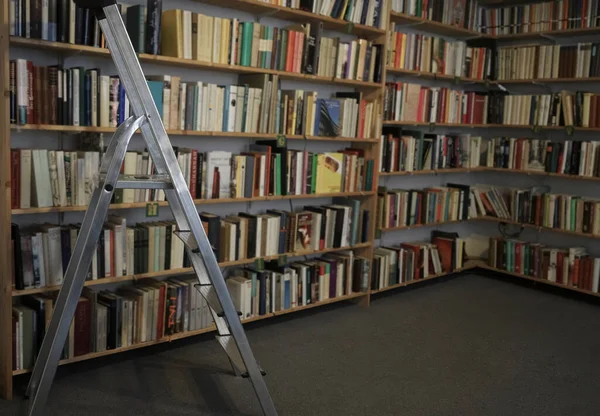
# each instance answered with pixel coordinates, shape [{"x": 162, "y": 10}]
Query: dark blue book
[{"x": 328, "y": 117}]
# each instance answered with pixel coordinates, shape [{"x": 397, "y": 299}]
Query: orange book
[
  {"x": 289, "y": 59},
  {"x": 576, "y": 267}
]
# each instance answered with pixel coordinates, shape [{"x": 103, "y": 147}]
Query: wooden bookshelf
[
  {"x": 433, "y": 126},
  {"x": 187, "y": 270},
  {"x": 433, "y": 172},
  {"x": 434, "y": 76},
  {"x": 539, "y": 280},
  {"x": 490, "y": 169},
  {"x": 185, "y": 63},
  {"x": 434, "y": 28},
  {"x": 546, "y": 81},
  {"x": 415, "y": 226},
  {"x": 547, "y": 35},
  {"x": 412, "y": 282},
  {"x": 538, "y": 227},
  {"x": 193, "y": 133},
  {"x": 137, "y": 205},
  {"x": 188, "y": 334}
]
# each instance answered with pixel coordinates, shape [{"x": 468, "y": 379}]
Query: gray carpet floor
[{"x": 470, "y": 345}]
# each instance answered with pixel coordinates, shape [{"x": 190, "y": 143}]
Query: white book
[
  {"x": 187, "y": 34},
  {"x": 130, "y": 166},
  {"x": 54, "y": 255},
  {"x": 25, "y": 178},
  {"x": 42, "y": 187},
  {"x": 37, "y": 249},
  {"x": 62, "y": 183}
]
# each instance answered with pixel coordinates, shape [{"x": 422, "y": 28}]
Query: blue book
[
  {"x": 287, "y": 304},
  {"x": 121, "y": 113},
  {"x": 328, "y": 116},
  {"x": 225, "y": 107},
  {"x": 156, "y": 89}
]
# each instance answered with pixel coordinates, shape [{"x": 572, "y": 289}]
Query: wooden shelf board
[
  {"x": 186, "y": 270},
  {"x": 206, "y": 134},
  {"x": 434, "y": 27},
  {"x": 546, "y": 80},
  {"x": 566, "y": 33},
  {"x": 430, "y": 75},
  {"x": 134, "y": 205},
  {"x": 485, "y": 126},
  {"x": 411, "y": 227},
  {"x": 188, "y": 334},
  {"x": 296, "y": 15},
  {"x": 432, "y": 172},
  {"x": 535, "y": 279},
  {"x": 189, "y": 63},
  {"x": 538, "y": 227},
  {"x": 404, "y": 284}
]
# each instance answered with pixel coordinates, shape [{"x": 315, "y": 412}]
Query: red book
[
  {"x": 82, "y": 327},
  {"x": 289, "y": 58},
  {"x": 299, "y": 49},
  {"x": 361, "y": 120},
  {"x": 420, "y": 106},
  {"x": 560, "y": 261},
  {"x": 398, "y": 49},
  {"x": 194, "y": 173},
  {"x": 15, "y": 178},
  {"x": 416, "y": 250},
  {"x": 444, "y": 246},
  {"x": 576, "y": 267}
]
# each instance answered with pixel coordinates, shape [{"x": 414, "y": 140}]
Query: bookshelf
[{"x": 65, "y": 135}]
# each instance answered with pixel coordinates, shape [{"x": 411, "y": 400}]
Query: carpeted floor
[{"x": 468, "y": 346}]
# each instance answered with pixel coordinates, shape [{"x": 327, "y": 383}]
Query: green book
[
  {"x": 136, "y": 27},
  {"x": 283, "y": 51},
  {"x": 278, "y": 174},
  {"x": 313, "y": 185},
  {"x": 247, "y": 30},
  {"x": 27, "y": 321},
  {"x": 573, "y": 214},
  {"x": 156, "y": 89}
]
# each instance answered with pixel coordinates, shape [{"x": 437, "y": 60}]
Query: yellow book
[
  {"x": 329, "y": 172},
  {"x": 196, "y": 36},
  {"x": 403, "y": 53},
  {"x": 171, "y": 37},
  {"x": 225, "y": 39},
  {"x": 208, "y": 23}
]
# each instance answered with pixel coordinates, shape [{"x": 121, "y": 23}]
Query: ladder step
[
  {"x": 210, "y": 294},
  {"x": 230, "y": 347},
  {"x": 144, "y": 182},
  {"x": 189, "y": 240}
]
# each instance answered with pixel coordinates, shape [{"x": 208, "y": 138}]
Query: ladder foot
[{"x": 246, "y": 375}]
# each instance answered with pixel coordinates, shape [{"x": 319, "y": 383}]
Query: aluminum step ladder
[{"x": 211, "y": 283}]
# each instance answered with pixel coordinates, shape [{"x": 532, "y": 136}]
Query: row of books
[
  {"x": 300, "y": 48},
  {"x": 413, "y": 102},
  {"x": 418, "y": 52},
  {"x": 46, "y": 178},
  {"x": 572, "y": 267},
  {"x": 105, "y": 320},
  {"x": 152, "y": 310},
  {"x": 42, "y": 254},
  {"x": 365, "y": 12},
  {"x": 540, "y": 207},
  {"x": 80, "y": 97},
  {"x": 570, "y": 157},
  {"x": 459, "y": 13},
  {"x": 414, "y": 261},
  {"x": 415, "y": 151},
  {"x": 548, "y": 61},
  {"x": 538, "y": 17},
  {"x": 438, "y": 204}
]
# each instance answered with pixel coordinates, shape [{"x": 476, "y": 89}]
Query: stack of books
[
  {"x": 417, "y": 52},
  {"x": 416, "y": 103},
  {"x": 405, "y": 208},
  {"x": 572, "y": 267}
]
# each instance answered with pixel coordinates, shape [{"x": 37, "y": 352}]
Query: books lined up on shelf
[
  {"x": 489, "y": 201},
  {"x": 459, "y": 13},
  {"x": 572, "y": 267},
  {"x": 415, "y": 261},
  {"x": 432, "y": 54},
  {"x": 80, "y": 97},
  {"x": 404, "y": 208},
  {"x": 548, "y": 61},
  {"x": 46, "y": 178},
  {"x": 300, "y": 48},
  {"x": 57, "y": 21},
  {"x": 570, "y": 157},
  {"x": 248, "y": 236},
  {"x": 105, "y": 320},
  {"x": 558, "y": 109},
  {"x": 42, "y": 255},
  {"x": 538, "y": 17},
  {"x": 368, "y": 12},
  {"x": 414, "y": 102},
  {"x": 415, "y": 151},
  {"x": 540, "y": 207},
  {"x": 257, "y": 292}
]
